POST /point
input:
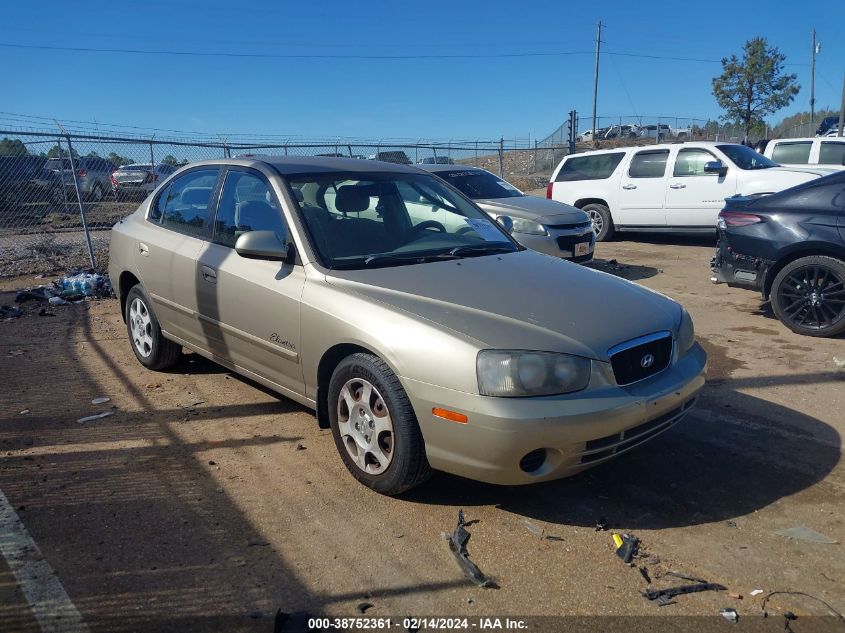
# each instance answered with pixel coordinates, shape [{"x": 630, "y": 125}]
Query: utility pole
[
  {"x": 816, "y": 49},
  {"x": 596, "y": 79},
  {"x": 840, "y": 132}
]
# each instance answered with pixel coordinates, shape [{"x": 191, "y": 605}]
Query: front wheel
[
  {"x": 808, "y": 296},
  {"x": 151, "y": 348},
  {"x": 601, "y": 219},
  {"x": 374, "y": 426}
]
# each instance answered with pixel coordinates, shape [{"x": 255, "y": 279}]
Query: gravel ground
[{"x": 207, "y": 503}]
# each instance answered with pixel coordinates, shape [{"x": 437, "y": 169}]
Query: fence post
[
  {"x": 349, "y": 147},
  {"x": 152, "y": 161},
  {"x": 476, "y": 152},
  {"x": 81, "y": 205},
  {"x": 61, "y": 163},
  {"x": 501, "y": 157}
]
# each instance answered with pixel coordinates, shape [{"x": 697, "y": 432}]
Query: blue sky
[{"x": 458, "y": 98}]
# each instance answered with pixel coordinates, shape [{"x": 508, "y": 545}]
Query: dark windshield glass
[
  {"x": 478, "y": 185},
  {"x": 745, "y": 157},
  {"x": 358, "y": 219}
]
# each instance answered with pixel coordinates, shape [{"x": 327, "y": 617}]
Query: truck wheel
[
  {"x": 601, "y": 219},
  {"x": 808, "y": 296},
  {"x": 374, "y": 426}
]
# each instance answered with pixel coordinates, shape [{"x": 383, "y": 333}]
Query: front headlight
[
  {"x": 515, "y": 373},
  {"x": 529, "y": 227},
  {"x": 686, "y": 332}
]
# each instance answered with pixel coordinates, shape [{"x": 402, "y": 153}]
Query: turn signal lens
[{"x": 452, "y": 416}]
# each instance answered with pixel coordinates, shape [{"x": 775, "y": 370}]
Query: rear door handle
[
  {"x": 143, "y": 249},
  {"x": 677, "y": 185},
  {"x": 208, "y": 274},
  {"x": 629, "y": 186}
]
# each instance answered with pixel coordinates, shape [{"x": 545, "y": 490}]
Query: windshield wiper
[
  {"x": 399, "y": 260},
  {"x": 471, "y": 250}
]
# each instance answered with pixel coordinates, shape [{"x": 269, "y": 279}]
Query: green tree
[
  {"x": 752, "y": 87},
  {"x": 118, "y": 160},
  {"x": 170, "y": 160},
  {"x": 55, "y": 151},
  {"x": 12, "y": 147}
]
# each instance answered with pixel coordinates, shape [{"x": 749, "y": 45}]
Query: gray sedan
[{"x": 543, "y": 225}]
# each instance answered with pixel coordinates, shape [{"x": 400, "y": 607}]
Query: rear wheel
[
  {"x": 151, "y": 348},
  {"x": 374, "y": 426},
  {"x": 808, "y": 296},
  {"x": 601, "y": 219},
  {"x": 97, "y": 193}
]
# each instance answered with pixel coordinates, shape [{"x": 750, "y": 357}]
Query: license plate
[{"x": 582, "y": 248}]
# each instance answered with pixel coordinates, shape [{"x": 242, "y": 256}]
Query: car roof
[
  {"x": 287, "y": 165},
  {"x": 690, "y": 144},
  {"x": 446, "y": 167}
]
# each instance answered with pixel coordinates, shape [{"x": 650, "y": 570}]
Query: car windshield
[
  {"x": 746, "y": 158},
  {"x": 479, "y": 184},
  {"x": 357, "y": 220},
  {"x": 57, "y": 164}
]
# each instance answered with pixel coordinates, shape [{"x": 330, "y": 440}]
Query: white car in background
[
  {"x": 679, "y": 187},
  {"x": 800, "y": 152}
]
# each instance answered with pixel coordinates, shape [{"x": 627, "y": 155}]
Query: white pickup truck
[
  {"x": 678, "y": 187},
  {"x": 801, "y": 152}
]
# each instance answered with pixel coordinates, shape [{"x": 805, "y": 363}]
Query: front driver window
[
  {"x": 247, "y": 204},
  {"x": 690, "y": 162}
]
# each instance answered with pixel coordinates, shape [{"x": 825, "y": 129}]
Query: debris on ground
[
  {"x": 16, "y": 352},
  {"x": 457, "y": 542},
  {"x": 839, "y": 362},
  {"x": 91, "y": 418},
  {"x": 788, "y": 615},
  {"x": 57, "y": 301},
  {"x": 10, "y": 312},
  {"x": 626, "y": 546},
  {"x": 39, "y": 293},
  {"x": 87, "y": 284},
  {"x": 803, "y": 533},
  {"x": 71, "y": 288},
  {"x": 24, "y": 411},
  {"x": 683, "y": 577},
  {"x": 100, "y": 400},
  {"x": 534, "y": 529},
  {"x": 729, "y": 614},
  {"x": 644, "y": 574},
  {"x": 301, "y": 447},
  {"x": 601, "y": 524},
  {"x": 756, "y": 592},
  {"x": 44, "y": 312},
  {"x": 671, "y": 592},
  {"x": 735, "y": 595},
  {"x": 363, "y": 607},
  {"x": 190, "y": 404}
]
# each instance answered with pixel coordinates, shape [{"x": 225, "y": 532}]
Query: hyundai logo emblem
[{"x": 647, "y": 361}]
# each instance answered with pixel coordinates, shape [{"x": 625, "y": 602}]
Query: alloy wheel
[
  {"x": 597, "y": 220},
  {"x": 813, "y": 297},
  {"x": 141, "y": 327},
  {"x": 365, "y": 425}
]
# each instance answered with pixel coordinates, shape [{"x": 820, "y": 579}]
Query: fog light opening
[{"x": 533, "y": 461}]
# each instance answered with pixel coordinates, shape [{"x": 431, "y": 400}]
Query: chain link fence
[{"x": 61, "y": 193}]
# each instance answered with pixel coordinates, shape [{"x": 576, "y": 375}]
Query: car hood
[
  {"x": 534, "y": 208},
  {"x": 522, "y": 300},
  {"x": 809, "y": 169}
]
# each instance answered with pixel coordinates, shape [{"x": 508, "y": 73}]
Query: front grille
[
  {"x": 637, "y": 362},
  {"x": 604, "y": 447},
  {"x": 568, "y": 242},
  {"x": 570, "y": 227}
]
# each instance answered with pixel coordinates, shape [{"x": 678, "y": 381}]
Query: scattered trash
[
  {"x": 211, "y": 462},
  {"x": 57, "y": 301},
  {"x": 756, "y": 592},
  {"x": 363, "y": 607},
  {"x": 90, "y": 418},
  {"x": 803, "y": 533},
  {"x": 731, "y": 524},
  {"x": 644, "y": 574},
  {"x": 39, "y": 293},
  {"x": 25, "y": 411},
  {"x": 735, "y": 595},
  {"x": 553, "y": 537},
  {"x": 10, "y": 312},
  {"x": 457, "y": 542},
  {"x": 86, "y": 284},
  {"x": 191, "y": 403},
  {"x": 100, "y": 400},
  {"x": 300, "y": 447},
  {"x": 258, "y": 543},
  {"x": 682, "y": 577},
  {"x": 43, "y": 312},
  {"x": 534, "y": 529},
  {"x": 839, "y": 362},
  {"x": 788, "y": 615},
  {"x": 16, "y": 352},
  {"x": 152, "y": 385},
  {"x": 626, "y": 546},
  {"x": 671, "y": 592},
  {"x": 601, "y": 524},
  {"x": 729, "y": 614}
]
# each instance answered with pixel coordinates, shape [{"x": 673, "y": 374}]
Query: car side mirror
[
  {"x": 507, "y": 222},
  {"x": 264, "y": 245},
  {"x": 715, "y": 167}
]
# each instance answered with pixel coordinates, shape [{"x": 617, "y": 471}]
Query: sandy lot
[{"x": 207, "y": 503}]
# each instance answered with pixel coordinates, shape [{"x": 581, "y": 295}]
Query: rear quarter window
[
  {"x": 792, "y": 153},
  {"x": 832, "y": 153},
  {"x": 594, "y": 167}
]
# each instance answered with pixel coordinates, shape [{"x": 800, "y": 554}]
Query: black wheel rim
[{"x": 813, "y": 297}]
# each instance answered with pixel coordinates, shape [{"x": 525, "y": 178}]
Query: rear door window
[
  {"x": 183, "y": 206},
  {"x": 649, "y": 164},
  {"x": 832, "y": 153},
  {"x": 594, "y": 167},
  {"x": 792, "y": 153}
]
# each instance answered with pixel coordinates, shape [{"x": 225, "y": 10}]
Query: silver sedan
[{"x": 542, "y": 225}]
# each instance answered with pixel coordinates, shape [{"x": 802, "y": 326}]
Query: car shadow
[
  {"x": 631, "y": 272},
  {"x": 671, "y": 239}
]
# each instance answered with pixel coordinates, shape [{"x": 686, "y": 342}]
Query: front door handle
[
  {"x": 143, "y": 249},
  {"x": 208, "y": 274},
  {"x": 629, "y": 187},
  {"x": 677, "y": 185}
]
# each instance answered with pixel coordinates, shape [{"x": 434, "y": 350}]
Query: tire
[
  {"x": 151, "y": 349},
  {"x": 393, "y": 459},
  {"x": 808, "y": 296},
  {"x": 601, "y": 219},
  {"x": 97, "y": 192}
]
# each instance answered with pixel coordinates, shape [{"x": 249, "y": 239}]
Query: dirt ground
[{"x": 207, "y": 503}]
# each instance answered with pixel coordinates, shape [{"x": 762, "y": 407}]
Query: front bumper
[
  {"x": 554, "y": 436},
  {"x": 562, "y": 243}
]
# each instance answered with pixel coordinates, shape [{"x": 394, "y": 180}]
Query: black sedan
[{"x": 789, "y": 246}]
